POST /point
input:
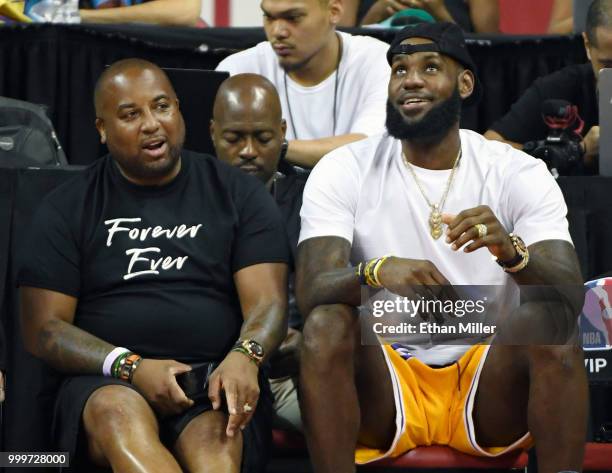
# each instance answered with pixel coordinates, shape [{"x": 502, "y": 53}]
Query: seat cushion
[{"x": 293, "y": 444}]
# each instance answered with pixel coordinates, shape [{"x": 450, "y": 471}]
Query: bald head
[
  {"x": 247, "y": 128},
  {"x": 120, "y": 71},
  {"x": 138, "y": 118},
  {"x": 247, "y": 93}
]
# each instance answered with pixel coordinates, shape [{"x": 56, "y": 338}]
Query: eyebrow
[
  {"x": 229, "y": 129},
  {"x": 428, "y": 56},
  {"x": 124, "y": 106},
  {"x": 291, "y": 11}
]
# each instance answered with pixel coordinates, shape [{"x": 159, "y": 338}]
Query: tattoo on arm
[
  {"x": 551, "y": 262},
  {"x": 322, "y": 275},
  {"x": 71, "y": 350},
  {"x": 555, "y": 263}
]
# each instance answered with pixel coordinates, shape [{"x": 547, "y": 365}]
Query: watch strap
[
  {"x": 520, "y": 260},
  {"x": 244, "y": 347}
]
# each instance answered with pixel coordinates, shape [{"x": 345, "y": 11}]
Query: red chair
[
  {"x": 446, "y": 457},
  {"x": 293, "y": 444},
  {"x": 598, "y": 456}
]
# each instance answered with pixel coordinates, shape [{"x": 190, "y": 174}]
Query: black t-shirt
[
  {"x": 152, "y": 267},
  {"x": 287, "y": 192},
  {"x": 575, "y": 84}
]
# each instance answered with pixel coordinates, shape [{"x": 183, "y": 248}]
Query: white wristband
[{"x": 110, "y": 358}]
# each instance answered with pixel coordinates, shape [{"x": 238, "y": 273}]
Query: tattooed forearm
[
  {"x": 551, "y": 262},
  {"x": 322, "y": 275},
  {"x": 71, "y": 350},
  {"x": 554, "y": 263}
]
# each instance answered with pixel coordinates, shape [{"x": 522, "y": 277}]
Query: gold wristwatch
[
  {"x": 250, "y": 348},
  {"x": 520, "y": 260}
]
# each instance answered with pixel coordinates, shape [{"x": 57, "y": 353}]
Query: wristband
[
  {"x": 129, "y": 365},
  {"x": 118, "y": 364},
  {"x": 110, "y": 359},
  {"x": 360, "y": 273},
  {"x": 377, "y": 267},
  {"x": 246, "y": 353}
]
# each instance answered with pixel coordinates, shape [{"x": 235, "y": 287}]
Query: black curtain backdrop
[{"x": 58, "y": 65}]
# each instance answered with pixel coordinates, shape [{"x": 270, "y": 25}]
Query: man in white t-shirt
[
  {"x": 451, "y": 208},
  {"x": 332, "y": 85}
]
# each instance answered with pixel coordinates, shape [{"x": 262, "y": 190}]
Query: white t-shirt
[
  {"x": 364, "y": 193},
  {"x": 361, "y": 96}
]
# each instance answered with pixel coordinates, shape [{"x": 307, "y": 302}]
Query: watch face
[{"x": 255, "y": 348}]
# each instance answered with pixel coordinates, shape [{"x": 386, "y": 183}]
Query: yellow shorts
[{"x": 434, "y": 406}]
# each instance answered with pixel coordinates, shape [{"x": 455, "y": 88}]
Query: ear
[
  {"x": 283, "y": 128},
  {"x": 466, "y": 83},
  {"x": 211, "y": 129},
  {"x": 336, "y": 10},
  {"x": 101, "y": 130},
  {"x": 178, "y": 103},
  {"x": 587, "y": 45}
]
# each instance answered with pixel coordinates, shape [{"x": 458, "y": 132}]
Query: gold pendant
[{"x": 435, "y": 222}]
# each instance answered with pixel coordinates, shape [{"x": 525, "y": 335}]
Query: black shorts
[{"x": 69, "y": 434}]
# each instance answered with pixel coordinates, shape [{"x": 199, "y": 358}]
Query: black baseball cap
[{"x": 447, "y": 39}]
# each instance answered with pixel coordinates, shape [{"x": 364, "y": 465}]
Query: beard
[
  {"x": 432, "y": 127},
  {"x": 296, "y": 66},
  {"x": 135, "y": 168}
]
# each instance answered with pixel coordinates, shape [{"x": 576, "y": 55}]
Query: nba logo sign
[{"x": 596, "y": 317}]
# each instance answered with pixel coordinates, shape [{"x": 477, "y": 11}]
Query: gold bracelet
[
  {"x": 370, "y": 273},
  {"x": 366, "y": 272},
  {"x": 377, "y": 267}
]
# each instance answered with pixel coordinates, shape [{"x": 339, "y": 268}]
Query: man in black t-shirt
[
  {"x": 174, "y": 255},
  {"x": 248, "y": 132},
  {"x": 576, "y": 84}
]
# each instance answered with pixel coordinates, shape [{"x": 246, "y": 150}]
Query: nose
[
  {"x": 279, "y": 29},
  {"x": 248, "y": 151},
  {"x": 413, "y": 79},
  {"x": 150, "y": 123}
]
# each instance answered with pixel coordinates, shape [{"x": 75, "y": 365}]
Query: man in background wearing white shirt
[
  {"x": 451, "y": 208},
  {"x": 332, "y": 85}
]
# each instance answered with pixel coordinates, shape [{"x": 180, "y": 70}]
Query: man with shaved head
[
  {"x": 248, "y": 129},
  {"x": 248, "y": 132},
  {"x": 331, "y": 83},
  {"x": 156, "y": 283}
]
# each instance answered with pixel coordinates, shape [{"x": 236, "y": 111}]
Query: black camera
[{"x": 562, "y": 149}]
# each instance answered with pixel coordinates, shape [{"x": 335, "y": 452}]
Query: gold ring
[
  {"x": 247, "y": 407},
  {"x": 481, "y": 228}
]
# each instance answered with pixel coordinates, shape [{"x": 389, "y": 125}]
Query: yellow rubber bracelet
[{"x": 379, "y": 264}]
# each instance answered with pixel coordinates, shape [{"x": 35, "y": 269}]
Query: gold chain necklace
[{"x": 435, "y": 217}]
